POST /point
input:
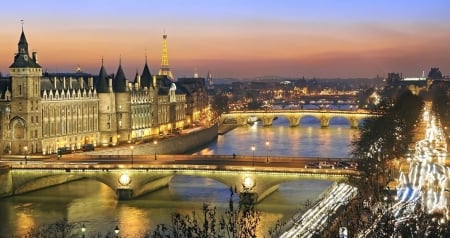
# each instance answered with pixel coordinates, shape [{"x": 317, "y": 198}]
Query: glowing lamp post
[
  {"x": 156, "y": 144},
  {"x": 116, "y": 231},
  {"x": 131, "y": 148},
  {"x": 267, "y": 151},
  {"x": 25, "y": 151},
  {"x": 253, "y": 155},
  {"x": 248, "y": 183},
  {"x": 83, "y": 229}
]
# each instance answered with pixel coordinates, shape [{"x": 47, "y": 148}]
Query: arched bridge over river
[
  {"x": 294, "y": 116},
  {"x": 252, "y": 175}
]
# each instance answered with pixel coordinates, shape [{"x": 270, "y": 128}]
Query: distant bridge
[
  {"x": 294, "y": 116},
  {"x": 256, "y": 176}
]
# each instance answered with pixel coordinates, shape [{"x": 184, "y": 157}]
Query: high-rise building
[{"x": 41, "y": 111}]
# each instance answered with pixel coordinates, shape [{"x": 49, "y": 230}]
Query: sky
[{"x": 233, "y": 38}]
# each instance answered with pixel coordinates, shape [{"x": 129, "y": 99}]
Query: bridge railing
[{"x": 84, "y": 167}]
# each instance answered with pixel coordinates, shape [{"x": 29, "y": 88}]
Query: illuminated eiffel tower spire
[{"x": 165, "y": 69}]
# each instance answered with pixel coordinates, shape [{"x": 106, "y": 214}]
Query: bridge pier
[
  {"x": 267, "y": 121},
  {"x": 124, "y": 193},
  {"x": 248, "y": 198},
  {"x": 241, "y": 121},
  {"x": 294, "y": 121},
  {"x": 324, "y": 121},
  {"x": 354, "y": 122}
]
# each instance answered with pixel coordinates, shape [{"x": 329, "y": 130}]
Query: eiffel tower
[{"x": 165, "y": 69}]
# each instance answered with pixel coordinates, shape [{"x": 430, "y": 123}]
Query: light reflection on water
[
  {"x": 80, "y": 202},
  {"x": 306, "y": 140},
  {"x": 94, "y": 204}
]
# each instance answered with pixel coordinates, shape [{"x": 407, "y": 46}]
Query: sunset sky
[{"x": 231, "y": 38}]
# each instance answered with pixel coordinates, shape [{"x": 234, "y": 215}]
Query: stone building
[
  {"x": 197, "y": 106},
  {"x": 41, "y": 112}
]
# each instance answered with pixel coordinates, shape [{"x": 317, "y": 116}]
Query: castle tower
[
  {"x": 123, "y": 106},
  {"x": 165, "y": 69},
  {"x": 107, "y": 120},
  {"x": 25, "y": 108}
]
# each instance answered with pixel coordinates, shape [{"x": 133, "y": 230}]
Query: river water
[{"x": 94, "y": 205}]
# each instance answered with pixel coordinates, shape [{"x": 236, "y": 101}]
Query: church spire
[{"x": 165, "y": 69}]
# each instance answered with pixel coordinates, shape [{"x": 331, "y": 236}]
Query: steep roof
[
  {"x": 22, "y": 59},
  {"x": 146, "y": 77},
  {"x": 120, "y": 81},
  {"x": 101, "y": 83}
]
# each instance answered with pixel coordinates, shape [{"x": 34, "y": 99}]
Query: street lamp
[
  {"x": 83, "y": 229},
  {"x": 131, "y": 148},
  {"x": 25, "y": 151},
  {"x": 267, "y": 151},
  {"x": 116, "y": 231},
  {"x": 253, "y": 155},
  {"x": 155, "y": 143}
]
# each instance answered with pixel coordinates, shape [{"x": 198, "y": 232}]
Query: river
[{"x": 93, "y": 204}]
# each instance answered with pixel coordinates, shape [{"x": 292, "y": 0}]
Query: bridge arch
[
  {"x": 258, "y": 182},
  {"x": 294, "y": 116}
]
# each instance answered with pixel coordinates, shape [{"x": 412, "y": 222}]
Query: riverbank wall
[
  {"x": 185, "y": 143},
  {"x": 224, "y": 128},
  {"x": 5, "y": 181}
]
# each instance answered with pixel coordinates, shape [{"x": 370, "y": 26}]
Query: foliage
[
  {"x": 240, "y": 222},
  {"x": 388, "y": 136},
  {"x": 441, "y": 103},
  {"x": 59, "y": 229},
  {"x": 219, "y": 105}
]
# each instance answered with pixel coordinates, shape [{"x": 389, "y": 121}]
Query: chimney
[
  {"x": 35, "y": 57},
  {"x": 91, "y": 82},
  {"x": 81, "y": 82},
  {"x": 110, "y": 83}
]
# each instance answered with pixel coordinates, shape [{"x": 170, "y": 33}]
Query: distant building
[
  {"x": 40, "y": 112},
  {"x": 415, "y": 85},
  {"x": 196, "y": 98}
]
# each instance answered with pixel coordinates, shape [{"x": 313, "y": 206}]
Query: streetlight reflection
[{"x": 253, "y": 155}]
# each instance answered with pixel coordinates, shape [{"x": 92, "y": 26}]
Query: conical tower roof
[
  {"x": 102, "y": 82},
  {"x": 146, "y": 77},
  {"x": 22, "y": 58},
  {"x": 120, "y": 81}
]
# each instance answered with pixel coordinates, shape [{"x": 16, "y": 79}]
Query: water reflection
[
  {"x": 94, "y": 204},
  {"x": 306, "y": 140},
  {"x": 82, "y": 202}
]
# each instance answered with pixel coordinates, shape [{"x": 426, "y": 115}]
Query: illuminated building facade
[{"x": 41, "y": 112}]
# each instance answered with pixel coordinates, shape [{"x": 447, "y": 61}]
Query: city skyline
[{"x": 324, "y": 39}]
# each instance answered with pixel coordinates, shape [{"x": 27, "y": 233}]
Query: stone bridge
[
  {"x": 130, "y": 181},
  {"x": 294, "y": 116}
]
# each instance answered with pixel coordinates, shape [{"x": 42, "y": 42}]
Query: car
[
  {"x": 343, "y": 165},
  {"x": 87, "y": 147},
  {"x": 313, "y": 165},
  {"x": 64, "y": 150},
  {"x": 326, "y": 165}
]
